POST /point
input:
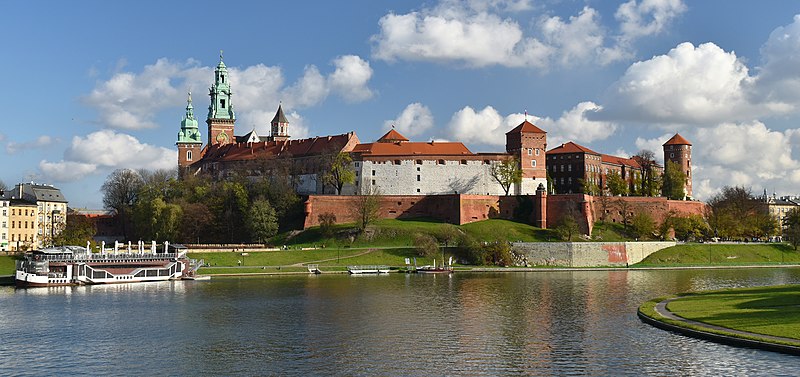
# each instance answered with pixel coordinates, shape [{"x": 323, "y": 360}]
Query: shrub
[
  {"x": 426, "y": 245},
  {"x": 326, "y": 221}
]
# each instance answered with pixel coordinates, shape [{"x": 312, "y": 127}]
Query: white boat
[
  {"x": 358, "y": 270},
  {"x": 75, "y": 265},
  {"x": 442, "y": 269}
]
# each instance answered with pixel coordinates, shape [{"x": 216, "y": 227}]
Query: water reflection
[{"x": 564, "y": 323}]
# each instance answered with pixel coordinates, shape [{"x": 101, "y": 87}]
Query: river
[{"x": 536, "y": 323}]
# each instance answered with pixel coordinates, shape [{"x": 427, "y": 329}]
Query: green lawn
[
  {"x": 722, "y": 254},
  {"x": 7, "y": 265},
  {"x": 763, "y": 310},
  {"x": 505, "y": 230}
]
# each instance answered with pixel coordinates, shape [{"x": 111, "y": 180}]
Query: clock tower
[{"x": 221, "y": 117}]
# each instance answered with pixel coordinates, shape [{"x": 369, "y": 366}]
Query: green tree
[
  {"x": 673, "y": 181},
  {"x": 155, "y": 219},
  {"x": 79, "y": 231},
  {"x": 791, "y": 222},
  {"x": 339, "y": 172},
  {"x": 616, "y": 185},
  {"x": 261, "y": 221},
  {"x": 507, "y": 173},
  {"x": 567, "y": 226},
  {"x": 588, "y": 187},
  {"x": 736, "y": 213},
  {"x": 643, "y": 225},
  {"x": 686, "y": 228},
  {"x": 498, "y": 253},
  {"x": 650, "y": 180}
]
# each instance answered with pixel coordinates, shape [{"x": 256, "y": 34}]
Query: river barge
[{"x": 76, "y": 265}]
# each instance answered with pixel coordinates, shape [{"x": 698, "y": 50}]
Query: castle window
[
  {"x": 419, "y": 162},
  {"x": 417, "y": 190},
  {"x": 397, "y": 162},
  {"x": 671, "y": 155},
  {"x": 373, "y": 173},
  {"x": 533, "y": 163},
  {"x": 463, "y": 162},
  {"x": 418, "y": 178},
  {"x": 418, "y": 169},
  {"x": 441, "y": 162},
  {"x": 569, "y": 167},
  {"x": 223, "y": 78},
  {"x": 537, "y": 151},
  {"x": 530, "y": 152},
  {"x": 188, "y": 155},
  {"x": 356, "y": 163},
  {"x": 486, "y": 162},
  {"x": 222, "y": 103},
  {"x": 373, "y": 182}
]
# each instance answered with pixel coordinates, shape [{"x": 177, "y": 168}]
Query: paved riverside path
[{"x": 661, "y": 308}]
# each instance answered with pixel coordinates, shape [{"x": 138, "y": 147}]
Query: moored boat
[
  {"x": 434, "y": 269},
  {"x": 76, "y": 265}
]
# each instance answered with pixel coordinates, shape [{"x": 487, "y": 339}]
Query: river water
[{"x": 542, "y": 323}]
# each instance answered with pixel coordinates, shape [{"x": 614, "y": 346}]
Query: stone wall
[{"x": 587, "y": 254}]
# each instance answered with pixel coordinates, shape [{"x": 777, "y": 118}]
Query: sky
[{"x": 94, "y": 86}]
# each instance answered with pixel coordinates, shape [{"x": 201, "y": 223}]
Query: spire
[
  {"x": 279, "y": 125},
  {"x": 189, "y": 132},
  {"x": 221, "y": 106}
]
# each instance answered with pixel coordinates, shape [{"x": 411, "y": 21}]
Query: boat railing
[{"x": 107, "y": 257}]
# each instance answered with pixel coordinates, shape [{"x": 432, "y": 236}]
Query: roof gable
[
  {"x": 391, "y": 136},
  {"x": 526, "y": 127},
  {"x": 677, "y": 140},
  {"x": 571, "y": 147}
]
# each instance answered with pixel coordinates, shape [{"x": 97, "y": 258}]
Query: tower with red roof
[
  {"x": 528, "y": 143},
  {"x": 679, "y": 150}
]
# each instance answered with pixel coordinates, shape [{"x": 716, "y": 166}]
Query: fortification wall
[
  {"x": 613, "y": 208},
  {"x": 587, "y": 254}
]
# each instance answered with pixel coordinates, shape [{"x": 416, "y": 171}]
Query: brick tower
[
  {"x": 221, "y": 117},
  {"x": 189, "y": 139},
  {"x": 679, "y": 150},
  {"x": 528, "y": 143}
]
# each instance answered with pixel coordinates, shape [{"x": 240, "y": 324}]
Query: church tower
[
  {"x": 528, "y": 143},
  {"x": 679, "y": 150},
  {"x": 280, "y": 126},
  {"x": 189, "y": 139},
  {"x": 221, "y": 117}
]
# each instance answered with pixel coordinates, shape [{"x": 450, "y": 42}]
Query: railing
[{"x": 107, "y": 257}]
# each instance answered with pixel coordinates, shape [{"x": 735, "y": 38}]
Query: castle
[{"x": 394, "y": 165}]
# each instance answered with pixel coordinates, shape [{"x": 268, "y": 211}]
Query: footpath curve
[{"x": 769, "y": 343}]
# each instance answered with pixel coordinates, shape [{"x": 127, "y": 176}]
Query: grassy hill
[
  {"x": 722, "y": 254},
  {"x": 7, "y": 265}
]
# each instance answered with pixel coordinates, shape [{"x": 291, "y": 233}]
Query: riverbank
[{"x": 760, "y": 317}]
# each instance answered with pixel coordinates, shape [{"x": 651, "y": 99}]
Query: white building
[{"x": 51, "y": 213}]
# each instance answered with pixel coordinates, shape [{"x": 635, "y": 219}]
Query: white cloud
[
  {"x": 350, "y": 78},
  {"x": 488, "y": 127},
  {"x": 130, "y": 100},
  {"x": 745, "y": 154},
  {"x": 689, "y": 84},
  {"x": 107, "y": 149},
  {"x": 648, "y": 17},
  {"x": 414, "y": 120},
  {"x": 655, "y": 145},
  {"x": 40, "y": 142},
  {"x": 477, "y": 34}
]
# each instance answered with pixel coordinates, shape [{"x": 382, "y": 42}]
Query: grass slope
[
  {"x": 722, "y": 254},
  {"x": 7, "y": 265},
  {"x": 763, "y": 310}
]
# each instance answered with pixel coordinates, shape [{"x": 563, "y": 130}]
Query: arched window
[
  {"x": 188, "y": 155},
  {"x": 533, "y": 163}
]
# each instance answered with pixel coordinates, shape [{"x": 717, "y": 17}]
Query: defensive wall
[
  {"x": 540, "y": 210},
  {"x": 586, "y": 254}
]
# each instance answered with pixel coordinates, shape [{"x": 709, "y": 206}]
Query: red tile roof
[
  {"x": 620, "y": 161},
  {"x": 526, "y": 127},
  {"x": 677, "y": 140},
  {"x": 571, "y": 148},
  {"x": 270, "y": 149},
  {"x": 413, "y": 149},
  {"x": 391, "y": 137}
]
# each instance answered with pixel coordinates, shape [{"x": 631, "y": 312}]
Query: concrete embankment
[{"x": 587, "y": 254}]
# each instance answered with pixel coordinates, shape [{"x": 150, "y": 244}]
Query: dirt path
[{"x": 302, "y": 264}]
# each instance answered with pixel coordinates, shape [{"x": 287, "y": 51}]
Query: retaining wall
[{"x": 587, "y": 254}]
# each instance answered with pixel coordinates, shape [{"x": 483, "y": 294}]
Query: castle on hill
[{"x": 394, "y": 165}]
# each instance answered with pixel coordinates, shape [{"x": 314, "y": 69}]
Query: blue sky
[{"x": 94, "y": 86}]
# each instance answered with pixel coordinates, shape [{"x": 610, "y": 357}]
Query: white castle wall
[{"x": 470, "y": 177}]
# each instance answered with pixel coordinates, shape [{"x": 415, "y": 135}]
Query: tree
[
  {"x": 426, "y": 245},
  {"x": 326, "y": 221},
  {"x": 624, "y": 208},
  {"x": 567, "y": 226},
  {"x": 589, "y": 188},
  {"x": 366, "y": 209},
  {"x": 688, "y": 228},
  {"x": 792, "y": 223},
  {"x": 79, "y": 231},
  {"x": 650, "y": 181},
  {"x": 735, "y": 212},
  {"x": 120, "y": 191},
  {"x": 339, "y": 172},
  {"x": 616, "y": 185},
  {"x": 194, "y": 224},
  {"x": 674, "y": 181},
  {"x": 507, "y": 173},
  {"x": 261, "y": 221},
  {"x": 643, "y": 225}
]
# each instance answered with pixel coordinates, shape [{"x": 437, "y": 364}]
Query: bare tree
[
  {"x": 367, "y": 209},
  {"x": 651, "y": 182},
  {"x": 120, "y": 191}
]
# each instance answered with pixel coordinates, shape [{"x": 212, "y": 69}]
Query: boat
[
  {"x": 76, "y": 265},
  {"x": 359, "y": 270},
  {"x": 434, "y": 269}
]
